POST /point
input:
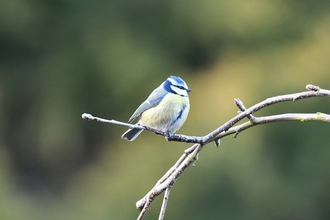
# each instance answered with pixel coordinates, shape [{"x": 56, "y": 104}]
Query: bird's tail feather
[{"x": 131, "y": 134}]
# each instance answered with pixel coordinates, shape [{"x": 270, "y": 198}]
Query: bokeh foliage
[{"x": 59, "y": 59}]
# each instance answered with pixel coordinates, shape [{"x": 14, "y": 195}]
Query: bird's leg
[{"x": 169, "y": 134}]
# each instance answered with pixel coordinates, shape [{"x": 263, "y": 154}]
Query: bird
[{"x": 166, "y": 109}]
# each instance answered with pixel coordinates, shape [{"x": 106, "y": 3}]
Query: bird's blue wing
[{"x": 153, "y": 100}]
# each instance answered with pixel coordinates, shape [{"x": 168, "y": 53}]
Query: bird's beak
[{"x": 188, "y": 90}]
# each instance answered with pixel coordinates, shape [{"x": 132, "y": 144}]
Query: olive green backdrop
[{"x": 61, "y": 58}]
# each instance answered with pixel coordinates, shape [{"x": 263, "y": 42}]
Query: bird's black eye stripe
[{"x": 181, "y": 87}]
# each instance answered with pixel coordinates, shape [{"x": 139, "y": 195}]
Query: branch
[
  {"x": 165, "y": 200},
  {"x": 275, "y": 118},
  {"x": 191, "y": 154},
  {"x": 90, "y": 117},
  {"x": 171, "y": 176}
]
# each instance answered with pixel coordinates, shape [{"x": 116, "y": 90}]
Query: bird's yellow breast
[{"x": 171, "y": 108}]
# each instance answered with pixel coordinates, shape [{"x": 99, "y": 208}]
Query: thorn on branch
[{"x": 217, "y": 143}]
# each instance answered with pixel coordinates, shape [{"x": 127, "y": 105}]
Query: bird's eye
[{"x": 181, "y": 87}]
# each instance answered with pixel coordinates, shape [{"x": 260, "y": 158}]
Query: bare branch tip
[
  {"x": 87, "y": 116},
  {"x": 311, "y": 87},
  {"x": 139, "y": 205},
  {"x": 238, "y": 102}
]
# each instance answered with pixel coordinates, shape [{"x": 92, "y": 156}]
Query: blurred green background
[{"x": 61, "y": 58}]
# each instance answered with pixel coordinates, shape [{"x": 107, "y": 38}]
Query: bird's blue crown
[
  {"x": 175, "y": 81},
  {"x": 178, "y": 80}
]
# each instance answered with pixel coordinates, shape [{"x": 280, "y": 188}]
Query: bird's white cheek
[{"x": 181, "y": 92}]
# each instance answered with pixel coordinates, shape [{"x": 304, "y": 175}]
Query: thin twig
[
  {"x": 276, "y": 118},
  {"x": 90, "y": 117},
  {"x": 164, "y": 204}
]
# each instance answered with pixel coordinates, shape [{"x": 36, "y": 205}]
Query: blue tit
[{"x": 166, "y": 108}]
